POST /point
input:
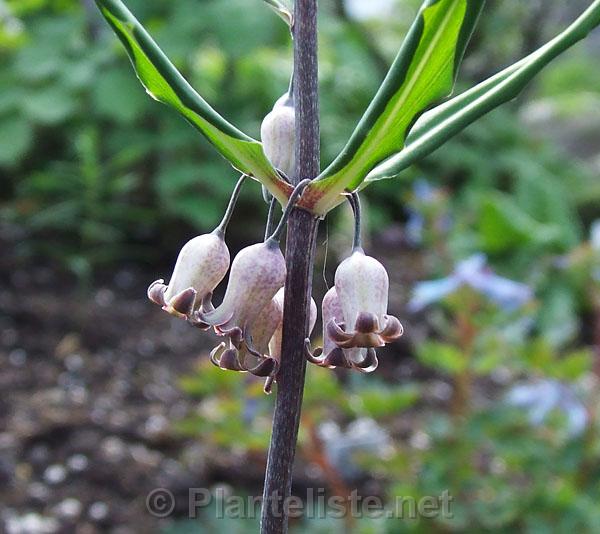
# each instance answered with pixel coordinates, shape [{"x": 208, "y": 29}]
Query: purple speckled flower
[
  {"x": 257, "y": 272},
  {"x": 331, "y": 355},
  {"x": 201, "y": 265},
  {"x": 275, "y": 342},
  {"x": 277, "y": 338},
  {"x": 277, "y": 133},
  {"x": 362, "y": 284},
  {"x": 251, "y": 352}
]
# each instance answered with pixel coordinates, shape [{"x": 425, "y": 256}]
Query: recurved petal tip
[
  {"x": 195, "y": 320},
  {"x": 156, "y": 292},
  {"x": 235, "y": 334},
  {"x": 313, "y": 356},
  {"x": 229, "y": 361},
  {"x": 369, "y": 363},
  {"x": 215, "y": 354},
  {"x": 265, "y": 368},
  {"x": 337, "y": 333},
  {"x": 336, "y": 358},
  {"x": 268, "y": 387},
  {"x": 392, "y": 329},
  {"x": 182, "y": 304}
]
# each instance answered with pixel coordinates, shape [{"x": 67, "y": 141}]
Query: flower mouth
[
  {"x": 363, "y": 360},
  {"x": 366, "y": 333},
  {"x": 234, "y": 358}
]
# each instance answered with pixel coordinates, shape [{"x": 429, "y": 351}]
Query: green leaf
[
  {"x": 423, "y": 72},
  {"x": 443, "y": 357},
  {"x": 164, "y": 83},
  {"x": 574, "y": 365},
  {"x": 116, "y": 96},
  {"x": 380, "y": 401},
  {"x": 440, "y": 124},
  {"x": 487, "y": 362},
  {"x": 503, "y": 225},
  {"x": 16, "y": 137},
  {"x": 50, "y": 105}
]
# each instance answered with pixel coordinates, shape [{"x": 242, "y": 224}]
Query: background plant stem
[{"x": 300, "y": 247}]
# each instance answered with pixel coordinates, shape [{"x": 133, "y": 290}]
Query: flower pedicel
[{"x": 201, "y": 265}]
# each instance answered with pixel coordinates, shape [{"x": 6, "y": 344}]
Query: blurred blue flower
[
  {"x": 414, "y": 227},
  {"x": 473, "y": 272},
  {"x": 595, "y": 235},
  {"x": 361, "y": 435},
  {"x": 423, "y": 190},
  {"x": 423, "y": 193},
  {"x": 542, "y": 397},
  {"x": 595, "y": 244}
]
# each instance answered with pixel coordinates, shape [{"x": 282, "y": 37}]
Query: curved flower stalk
[
  {"x": 201, "y": 265},
  {"x": 278, "y": 133},
  {"x": 331, "y": 355},
  {"x": 362, "y": 286}
]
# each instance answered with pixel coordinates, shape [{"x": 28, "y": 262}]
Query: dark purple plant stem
[{"x": 300, "y": 247}]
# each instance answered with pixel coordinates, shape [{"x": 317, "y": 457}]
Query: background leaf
[
  {"x": 445, "y": 121},
  {"x": 164, "y": 83},
  {"x": 423, "y": 72}
]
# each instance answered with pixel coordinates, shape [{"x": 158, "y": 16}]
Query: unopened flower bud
[
  {"x": 277, "y": 133},
  {"x": 202, "y": 263}
]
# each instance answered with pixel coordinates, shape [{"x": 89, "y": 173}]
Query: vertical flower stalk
[{"x": 300, "y": 246}]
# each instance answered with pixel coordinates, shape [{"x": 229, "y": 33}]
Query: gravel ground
[{"x": 89, "y": 394}]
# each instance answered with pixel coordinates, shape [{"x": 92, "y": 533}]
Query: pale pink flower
[
  {"x": 201, "y": 265},
  {"x": 362, "y": 284},
  {"x": 331, "y": 355}
]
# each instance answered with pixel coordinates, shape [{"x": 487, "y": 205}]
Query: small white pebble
[
  {"x": 98, "y": 511},
  {"x": 55, "y": 474},
  {"x": 69, "y": 508},
  {"x": 17, "y": 357},
  {"x": 78, "y": 462}
]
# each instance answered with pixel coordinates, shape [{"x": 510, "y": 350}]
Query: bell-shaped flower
[
  {"x": 257, "y": 272},
  {"x": 275, "y": 343},
  {"x": 277, "y": 338},
  {"x": 236, "y": 354},
  {"x": 202, "y": 263},
  {"x": 331, "y": 355},
  {"x": 362, "y": 284},
  {"x": 277, "y": 133},
  {"x": 260, "y": 351}
]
